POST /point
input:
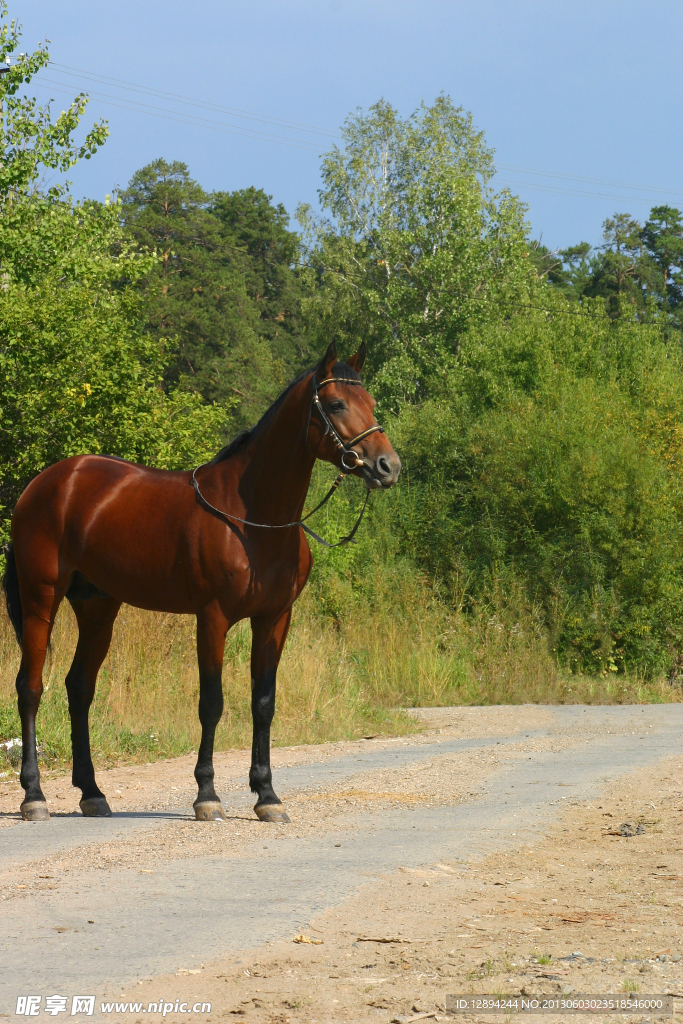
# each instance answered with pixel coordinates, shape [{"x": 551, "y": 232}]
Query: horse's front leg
[
  {"x": 268, "y": 639},
  {"x": 211, "y": 629}
]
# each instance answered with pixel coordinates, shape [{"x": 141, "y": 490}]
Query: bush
[{"x": 546, "y": 480}]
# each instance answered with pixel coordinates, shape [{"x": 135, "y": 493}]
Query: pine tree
[
  {"x": 617, "y": 269},
  {"x": 663, "y": 238},
  {"x": 257, "y": 233},
  {"x": 197, "y": 299}
]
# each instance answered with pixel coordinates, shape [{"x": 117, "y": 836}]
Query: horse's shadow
[{"x": 130, "y": 815}]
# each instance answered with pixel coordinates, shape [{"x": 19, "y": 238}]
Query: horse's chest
[{"x": 267, "y": 584}]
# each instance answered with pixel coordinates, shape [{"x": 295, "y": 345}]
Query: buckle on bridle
[{"x": 351, "y": 455}]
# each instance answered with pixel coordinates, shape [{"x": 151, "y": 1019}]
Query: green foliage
[
  {"x": 30, "y": 139},
  {"x": 663, "y": 237},
  {"x": 194, "y": 297},
  {"x": 255, "y": 230},
  {"x": 223, "y": 291},
  {"x": 77, "y": 373},
  {"x": 618, "y": 271},
  {"x": 547, "y": 481},
  {"x": 418, "y": 249},
  {"x": 638, "y": 266}
]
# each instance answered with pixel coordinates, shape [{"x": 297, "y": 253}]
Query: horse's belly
[
  {"x": 141, "y": 568},
  {"x": 132, "y": 545}
]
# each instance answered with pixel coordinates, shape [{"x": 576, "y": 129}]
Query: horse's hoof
[
  {"x": 34, "y": 810},
  {"x": 271, "y": 812},
  {"x": 209, "y": 810},
  {"x": 95, "y": 807}
]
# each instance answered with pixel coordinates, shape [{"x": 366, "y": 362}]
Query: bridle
[
  {"x": 345, "y": 447},
  {"x": 347, "y": 466}
]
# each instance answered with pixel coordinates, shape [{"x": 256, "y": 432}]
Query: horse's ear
[
  {"x": 357, "y": 359},
  {"x": 327, "y": 362}
]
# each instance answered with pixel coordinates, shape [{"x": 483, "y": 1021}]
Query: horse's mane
[{"x": 340, "y": 370}]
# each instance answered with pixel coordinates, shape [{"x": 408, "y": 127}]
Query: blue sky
[{"x": 564, "y": 91}]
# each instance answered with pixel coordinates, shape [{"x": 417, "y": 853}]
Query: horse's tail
[{"x": 10, "y": 584}]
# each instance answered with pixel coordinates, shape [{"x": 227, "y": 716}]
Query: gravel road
[{"x": 93, "y": 905}]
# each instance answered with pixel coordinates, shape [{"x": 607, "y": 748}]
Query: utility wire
[
  {"x": 591, "y": 181},
  {"x": 191, "y": 119},
  {"x": 576, "y": 192},
  {"x": 187, "y": 100},
  {"x": 244, "y": 131},
  {"x": 336, "y": 135}
]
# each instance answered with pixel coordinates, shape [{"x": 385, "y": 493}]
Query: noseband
[{"x": 347, "y": 453}]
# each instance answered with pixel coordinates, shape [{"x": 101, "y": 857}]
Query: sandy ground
[
  {"x": 579, "y": 909},
  {"x": 482, "y": 928},
  {"x": 165, "y": 785},
  {"x": 618, "y": 902}
]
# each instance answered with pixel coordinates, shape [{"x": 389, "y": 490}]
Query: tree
[
  {"x": 566, "y": 269},
  {"x": 617, "y": 269},
  {"x": 417, "y": 247},
  {"x": 31, "y": 141},
  {"x": 76, "y": 373},
  {"x": 635, "y": 265},
  {"x": 663, "y": 238},
  {"x": 257, "y": 232},
  {"x": 219, "y": 294}
]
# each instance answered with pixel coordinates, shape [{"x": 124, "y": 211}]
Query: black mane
[{"x": 340, "y": 370}]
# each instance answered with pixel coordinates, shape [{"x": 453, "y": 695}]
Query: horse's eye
[{"x": 336, "y": 406}]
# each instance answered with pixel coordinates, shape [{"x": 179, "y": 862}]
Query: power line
[
  {"x": 590, "y": 181},
  {"x": 576, "y": 192},
  {"x": 191, "y": 119},
  {"x": 125, "y": 103},
  {"x": 188, "y": 100}
]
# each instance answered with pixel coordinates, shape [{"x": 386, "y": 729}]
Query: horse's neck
[{"x": 277, "y": 465}]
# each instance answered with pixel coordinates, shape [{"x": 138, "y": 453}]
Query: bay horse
[{"x": 224, "y": 543}]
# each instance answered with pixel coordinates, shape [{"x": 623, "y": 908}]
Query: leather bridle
[
  {"x": 347, "y": 453},
  {"x": 345, "y": 447}
]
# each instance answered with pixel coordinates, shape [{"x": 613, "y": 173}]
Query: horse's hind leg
[
  {"x": 211, "y": 629},
  {"x": 39, "y": 614},
  {"x": 95, "y": 617}
]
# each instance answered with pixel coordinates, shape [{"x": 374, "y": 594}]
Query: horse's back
[{"x": 79, "y": 488}]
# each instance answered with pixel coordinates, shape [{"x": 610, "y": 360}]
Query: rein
[{"x": 346, "y": 448}]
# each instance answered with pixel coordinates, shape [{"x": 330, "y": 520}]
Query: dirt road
[{"x": 474, "y": 847}]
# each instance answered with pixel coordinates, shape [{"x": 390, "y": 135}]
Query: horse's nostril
[{"x": 383, "y": 466}]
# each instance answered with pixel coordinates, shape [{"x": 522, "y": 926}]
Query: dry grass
[
  {"x": 339, "y": 678},
  {"x": 146, "y": 700}
]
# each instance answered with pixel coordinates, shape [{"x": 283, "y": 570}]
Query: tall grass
[{"x": 343, "y": 675}]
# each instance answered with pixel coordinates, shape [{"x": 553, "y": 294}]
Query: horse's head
[{"x": 343, "y": 429}]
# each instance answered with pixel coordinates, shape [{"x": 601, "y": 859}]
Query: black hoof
[
  {"x": 209, "y": 810},
  {"x": 271, "y": 812},
  {"x": 95, "y": 807},
  {"x": 34, "y": 810}
]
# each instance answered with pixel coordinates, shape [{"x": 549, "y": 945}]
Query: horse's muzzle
[{"x": 382, "y": 471}]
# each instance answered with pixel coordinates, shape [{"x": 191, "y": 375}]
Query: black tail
[{"x": 10, "y": 584}]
